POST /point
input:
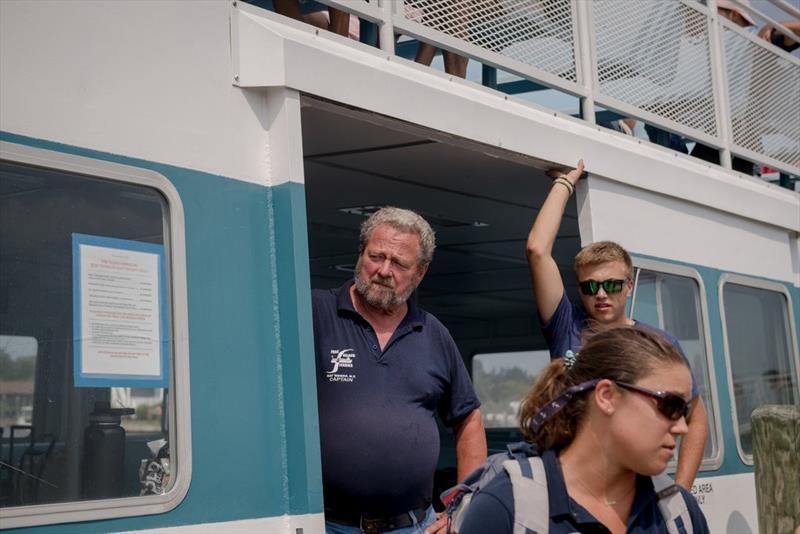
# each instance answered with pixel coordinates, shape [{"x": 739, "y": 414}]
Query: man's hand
[
  {"x": 766, "y": 32},
  {"x": 792, "y": 25},
  {"x": 572, "y": 176},
  {"x": 470, "y": 453},
  {"x": 439, "y": 526}
]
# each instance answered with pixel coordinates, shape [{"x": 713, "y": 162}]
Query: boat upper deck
[{"x": 697, "y": 80}]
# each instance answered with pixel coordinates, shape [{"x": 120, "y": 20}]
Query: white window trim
[
  {"x": 759, "y": 284},
  {"x": 180, "y": 416},
  {"x": 714, "y": 462}
]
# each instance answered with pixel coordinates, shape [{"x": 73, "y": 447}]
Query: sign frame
[{"x": 80, "y": 310}]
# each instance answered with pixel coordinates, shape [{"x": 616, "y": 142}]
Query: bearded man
[{"x": 384, "y": 368}]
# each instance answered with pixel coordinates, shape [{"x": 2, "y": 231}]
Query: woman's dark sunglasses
[
  {"x": 671, "y": 405},
  {"x": 610, "y": 286}
]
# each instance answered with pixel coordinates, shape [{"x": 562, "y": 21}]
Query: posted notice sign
[{"x": 119, "y": 313}]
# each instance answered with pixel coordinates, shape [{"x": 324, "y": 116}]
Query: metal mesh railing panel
[
  {"x": 653, "y": 55},
  {"x": 536, "y": 33},
  {"x": 764, "y": 97}
]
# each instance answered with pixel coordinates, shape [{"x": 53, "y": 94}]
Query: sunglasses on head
[
  {"x": 610, "y": 286},
  {"x": 671, "y": 405}
]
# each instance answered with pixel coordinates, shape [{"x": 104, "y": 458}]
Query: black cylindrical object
[{"x": 104, "y": 453}]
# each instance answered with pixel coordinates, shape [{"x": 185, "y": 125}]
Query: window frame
[
  {"x": 715, "y": 462},
  {"x": 180, "y": 412},
  {"x": 767, "y": 285}
]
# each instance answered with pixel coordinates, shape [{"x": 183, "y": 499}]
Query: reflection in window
[
  {"x": 62, "y": 443},
  {"x": 672, "y": 303},
  {"x": 501, "y": 381},
  {"x": 17, "y": 372},
  {"x": 147, "y": 404},
  {"x": 760, "y": 350}
]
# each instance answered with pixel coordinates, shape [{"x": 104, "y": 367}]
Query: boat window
[
  {"x": 501, "y": 381},
  {"x": 85, "y": 343},
  {"x": 760, "y": 352},
  {"x": 672, "y": 302}
]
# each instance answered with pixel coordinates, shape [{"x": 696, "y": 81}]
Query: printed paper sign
[{"x": 119, "y": 311}]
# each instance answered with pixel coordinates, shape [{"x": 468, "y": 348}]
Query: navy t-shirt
[
  {"x": 379, "y": 437},
  {"x": 492, "y": 508},
  {"x": 564, "y": 332}
]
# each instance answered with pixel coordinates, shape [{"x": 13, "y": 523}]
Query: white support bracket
[{"x": 257, "y": 54}]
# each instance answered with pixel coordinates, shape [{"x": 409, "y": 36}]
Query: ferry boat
[{"x": 175, "y": 178}]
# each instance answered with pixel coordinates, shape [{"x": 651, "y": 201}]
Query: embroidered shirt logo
[{"x": 341, "y": 359}]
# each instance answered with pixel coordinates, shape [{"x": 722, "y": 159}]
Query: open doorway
[{"x": 481, "y": 202}]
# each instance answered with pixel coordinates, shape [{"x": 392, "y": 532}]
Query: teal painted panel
[
  {"x": 732, "y": 463},
  {"x": 255, "y": 445},
  {"x": 297, "y": 348}
]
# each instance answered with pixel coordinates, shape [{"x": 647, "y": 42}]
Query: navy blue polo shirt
[
  {"x": 379, "y": 437},
  {"x": 565, "y": 329},
  {"x": 492, "y": 509}
]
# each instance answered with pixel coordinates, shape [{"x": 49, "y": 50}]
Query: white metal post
[
  {"x": 584, "y": 56},
  {"x": 386, "y": 30},
  {"x": 719, "y": 81},
  {"x": 285, "y": 136}
]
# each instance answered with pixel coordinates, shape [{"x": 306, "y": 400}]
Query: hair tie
[
  {"x": 569, "y": 359},
  {"x": 555, "y": 405}
]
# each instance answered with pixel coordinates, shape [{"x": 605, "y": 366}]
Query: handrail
[{"x": 671, "y": 63}]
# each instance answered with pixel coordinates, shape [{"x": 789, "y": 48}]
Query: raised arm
[{"x": 545, "y": 277}]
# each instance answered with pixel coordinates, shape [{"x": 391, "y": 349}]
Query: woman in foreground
[{"x": 607, "y": 420}]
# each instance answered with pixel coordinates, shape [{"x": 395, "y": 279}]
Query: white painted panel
[
  {"x": 347, "y": 72},
  {"x": 154, "y": 80},
  {"x": 288, "y": 524},
  {"x": 145, "y": 79},
  {"x": 728, "y": 502},
  {"x": 666, "y": 227}
]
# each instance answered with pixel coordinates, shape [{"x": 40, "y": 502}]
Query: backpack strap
[
  {"x": 520, "y": 449},
  {"x": 672, "y": 505},
  {"x": 458, "y": 498},
  {"x": 531, "y": 500}
]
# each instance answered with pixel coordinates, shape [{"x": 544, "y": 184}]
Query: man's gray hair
[{"x": 403, "y": 221}]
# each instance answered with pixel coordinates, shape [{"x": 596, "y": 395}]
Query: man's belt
[{"x": 375, "y": 525}]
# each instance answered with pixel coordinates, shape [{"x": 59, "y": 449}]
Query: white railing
[{"x": 673, "y": 64}]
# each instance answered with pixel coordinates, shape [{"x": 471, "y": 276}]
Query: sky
[{"x": 17, "y": 346}]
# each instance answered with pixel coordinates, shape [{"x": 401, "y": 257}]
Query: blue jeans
[{"x": 417, "y": 528}]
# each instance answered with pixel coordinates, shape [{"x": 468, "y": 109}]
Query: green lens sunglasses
[{"x": 610, "y": 286}]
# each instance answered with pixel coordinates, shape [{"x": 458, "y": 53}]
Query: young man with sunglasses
[{"x": 604, "y": 271}]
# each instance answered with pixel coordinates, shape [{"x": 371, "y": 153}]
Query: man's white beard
[{"x": 383, "y": 297}]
